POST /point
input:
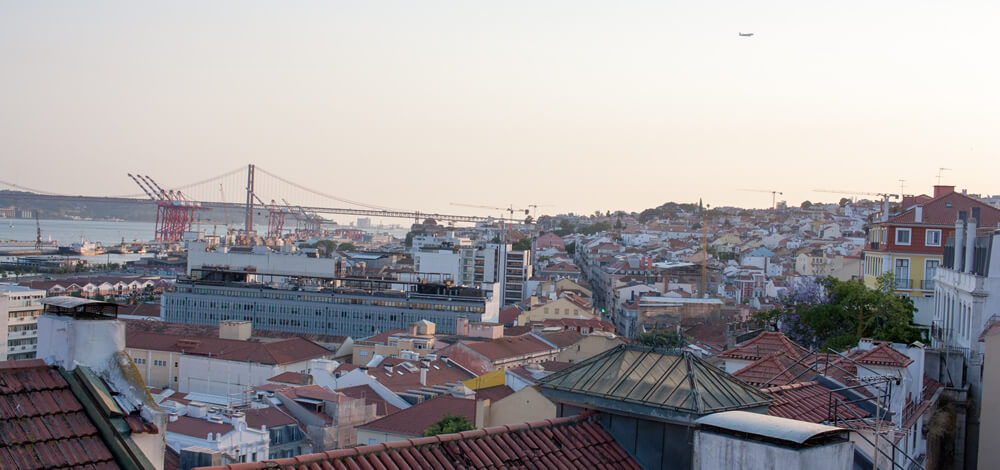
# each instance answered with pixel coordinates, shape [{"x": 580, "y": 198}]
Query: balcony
[
  {"x": 903, "y": 283},
  {"x": 927, "y": 284}
]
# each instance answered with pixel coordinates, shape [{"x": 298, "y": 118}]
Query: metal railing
[
  {"x": 903, "y": 283},
  {"x": 927, "y": 284}
]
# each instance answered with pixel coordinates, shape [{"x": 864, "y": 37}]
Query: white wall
[
  {"x": 246, "y": 440},
  {"x": 717, "y": 451},
  {"x": 201, "y": 374}
]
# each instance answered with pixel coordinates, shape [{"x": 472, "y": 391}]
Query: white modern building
[{"x": 20, "y": 308}]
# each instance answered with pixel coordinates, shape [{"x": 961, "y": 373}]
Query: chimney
[
  {"x": 865, "y": 344},
  {"x": 413, "y": 329},
  {"x": 67, "y": 342},
  {"x": 970, "y": 244},
  {"x": 942, "y": 190},
  {"x": 462, "y": 325},
  {"x": 482, "y": 412},
  {"x": 423, "y": 373},
  {"x": 959, "y": 241},
  {"x": 918, "y": 214},
  {"x": 885, "y": 208}
]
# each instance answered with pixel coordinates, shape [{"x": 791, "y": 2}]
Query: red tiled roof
[
  {"x": 509, "y": 314},
  {"x": 565, "y": 443},
  {"x": 509, "y": 346},
  {"x": 809, "y": 401},
  {"x": 763, "y": 345},
  {"x": 438, "y": 373},
  {"x": 383, "y": 337},
  {"x": 883, "y": 354},
  {"x": 564, "y": 338},
  {"x": 943, "y": 210},
  {"x": 312, "y": 392},
  {"x": 140, "y": 310},
  {"x": 516, "y": 330},
  {"x": 776, "y": 369},
  {"x": 195, "y": 427},
  {"x": 368, "y": 394},
  {"x": 414, "y": 420},
  {"x": 278, "y": 352},
  {"x": 494, "y": 393},
  {"x": 294, "y": 378},
  {"x": 270, "y": 417},
  {"x": 591, "y": 323},
  {"x": 42, "y": 424}
]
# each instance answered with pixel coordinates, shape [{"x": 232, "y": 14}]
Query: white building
[
  {"x": 967, "y": 290},
  {"x": 20, "y": 308},
  {"x": 228, "y": 435}
]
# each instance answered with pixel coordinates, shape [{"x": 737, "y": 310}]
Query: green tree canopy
[
  {"x": 523, "y": 244},
  {"x": 346, "y": 246},
  {"x": 843, "y": 312},
  {"x": 806, "y": 204},
  {"x": 661, "y": 339},
  {"x": 449, "y": 424},
  {"x": 571, "y": 248}
]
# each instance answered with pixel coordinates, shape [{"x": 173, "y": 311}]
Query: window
[
  {"x": 902, "y": 273},
  {"x": 933, "y": 237},
  {"x": 372, "y": 441},
  {"x": 902, "y": 236},
  {"x": 363, "y": 353}
]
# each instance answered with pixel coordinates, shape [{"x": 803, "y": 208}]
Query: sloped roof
[
  {"x": 883, "y": 354},
  {"x": 42, "y": 424},
  {"x": 673, "y": 380},
  {"x": 572, "y": 442},
  {"x": 810, "y": 401},
  {"x": 943, "y": 210},
  {"x": 763, "y": 345},
  {"x": 371, "y": 397},
  {"x": 271, "y": 417},
  {"x": 508, "y": 346},
  {"x": 285, "y": 351},
  {"x": 414, "y": 420},
  {"x": 776, "y": 369}
]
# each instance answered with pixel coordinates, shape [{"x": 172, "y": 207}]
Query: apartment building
[
  {"x": 20, "y": 308},
  {"x": 910, "y": 245},
  {"x": 967, "y": 288},
  {"x": 326, "y": 305},
  {"x": 500, "y": 263}
]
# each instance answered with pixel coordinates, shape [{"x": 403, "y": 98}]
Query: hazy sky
[{"x": 580, "y": 105}]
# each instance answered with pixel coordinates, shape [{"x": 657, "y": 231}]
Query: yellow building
[{"x": 563, "y": 307}]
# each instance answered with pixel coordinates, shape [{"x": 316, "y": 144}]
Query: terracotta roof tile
[
  {"x": 809, "y": 401},
  {"x": 366, "y": 392},
  {"x": 763, "y": 345},
  {"x": 42, "y": 424},
  {"x": 776, "y": 369},
  {"x": 883, "y": 354},
  {"x": 507, "y": 347},
  {"x": 567, "y": 443},
  {"x": 414, "y": 420}
]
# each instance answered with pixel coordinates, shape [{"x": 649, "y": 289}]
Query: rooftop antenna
[
  {"x": 902, "y": 183},
  {"x": 941, "y": 170}
]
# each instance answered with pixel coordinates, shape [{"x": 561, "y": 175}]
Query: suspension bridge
[{"x": 248, "y": 192}]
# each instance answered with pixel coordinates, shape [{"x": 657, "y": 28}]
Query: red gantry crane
[{"x": 174, "y": 211}]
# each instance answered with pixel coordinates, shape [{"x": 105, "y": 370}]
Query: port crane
[
  {"x": 774, "y": 195},
  {"x": 511, "y": 210},
  {"x": 174, "y": 211}
]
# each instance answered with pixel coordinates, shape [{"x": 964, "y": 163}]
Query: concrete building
[
  {"x": 967, "y": 288},
  {"x": 501, "y": 264},
  {"x": 989, "y": 412},
  {"x": 219, "y": 367},
  {"x": 419, "y": 340},
  {"x": 329, "y": 417},
  {"x": 225, "y": 434},
  {"x": 20, "y": 308},
  {"x": 327, "y": 305}
]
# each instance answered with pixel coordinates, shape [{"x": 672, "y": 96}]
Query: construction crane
[
  {"x": 858, "y": 193},
  {"x": 534, "y": 208},
  {"x": 511, "y": 210},
  {"x": 774, "y": 195}
]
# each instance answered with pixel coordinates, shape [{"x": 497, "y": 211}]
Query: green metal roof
[{"x": 666, "y": 379}]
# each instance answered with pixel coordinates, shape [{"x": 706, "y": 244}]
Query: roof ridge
[{"x": 796, "y": 385}]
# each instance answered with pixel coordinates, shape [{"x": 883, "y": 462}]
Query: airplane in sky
[{"x": 745, "y": 35}]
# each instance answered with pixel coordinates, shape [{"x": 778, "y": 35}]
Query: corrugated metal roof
[{"x": 791, "y": 430}]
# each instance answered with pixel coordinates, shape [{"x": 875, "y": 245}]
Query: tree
[
  {"x": 449, "y": 424},
  {"x": 844, "y": 201},
  {"x": 409, "y": 236},
  {"x": 529, "y": 220},
  {"x": 346, "y": 246},
  {"x": 571, "y": 248},
  {"x": 831, "y": 313},
  {"x": 661, "y": 339},
  {"x": 523, "y": 244},
  {"x": 595, "y": 228},
  {"x": 618, "y": 224},
  {"x": 806, "y": 204}
]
